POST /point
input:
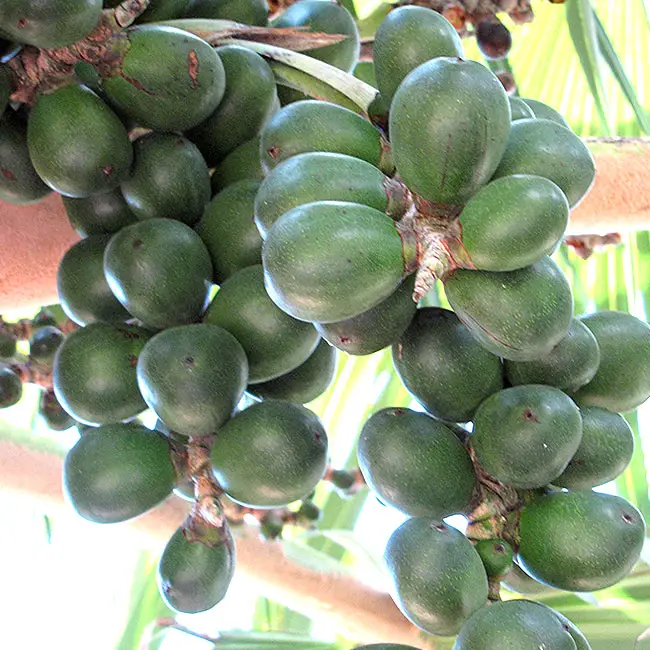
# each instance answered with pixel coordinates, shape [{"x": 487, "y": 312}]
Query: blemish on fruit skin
[
  {"x": 137, "y": 243},
  {"x": 273, "y": 152},
  {"x": 136, "y": 84},
  {"x": 628, "y": 519},
  {"x": 8, "y": 174},
  {"x": 133, "y": 360},
  {"x": 193, "y": 68},
  {"x": 344, "y": 339},
  {"x": 530, "y": 416},
  {"x": 108, "y": 170},
  {"x": 21, "y": 23}
]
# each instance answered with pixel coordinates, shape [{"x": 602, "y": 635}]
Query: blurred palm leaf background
[{"x": 590, "y": 61}]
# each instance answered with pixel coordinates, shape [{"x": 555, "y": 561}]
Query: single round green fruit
[
  {"x": 525, "y": 436},
  {"x": 332, "y": 260},
  {"x": 604, "y": 453},
  {"x": 514, "y": 625},
  {"x": 496, "y": 555},
  {"x": 438, "y": 577},
  {"x": 43, "y": 344},
  {"x": 118, "y": 471},
  {"x": 160, "y": 270},
  {"x": 55, "y": 416},
  {"x": 449, "y": 122},
  {"x": 11, "y": 387},
  {"x": 270, "y": 454},
  {"x": 94, "y": 372},
  {"x": 622, "y": 381},
  {"x": 519, "y": 315},
  {"x": 572, "y": 363},
  {"x": 242, "y": 163},
  {"x": 192, "y": 377},
  {"x": 99, "y": 214},
  {"x": 415, "y": 463},
  {"x": 594, "y": 539},
  {"x": 196, "y": 567},
  {"x": 444, "y": 367},
  {"x": 77, "y": 144},
  {"x": 543, "y": 111}
]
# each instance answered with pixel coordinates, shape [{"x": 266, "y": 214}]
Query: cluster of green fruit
[{"x": 323, "y": 232}]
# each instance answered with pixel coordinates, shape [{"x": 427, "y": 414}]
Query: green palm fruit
[
  {"x": 543, "y": 111},
  {"x": 81, "y": 285},
  {"x": 77, "y": 144},
  {"x": 11, "y": 387},
  {"x": 331, "y": 260},
  {"x": 194, "y": 571},
  {"x": 250, "y": 92},
  {"x": 525, "y": 436},
  {"x": 544, "y": 148},
  {"x": 160, "y": 10},
  {"x": 246, "y": 12},
  {"x": 118, "y": 471},
  {"x": 19, "y": 182},
  {"x": 270, "y": 454},
  {"x": 49, "y": 23},
  {"x": 512, "y": 222},
  {"x": 514, "y": 625},
  {"x": 313, "y": 125},
  {"x": 569, "y": 365},
  {"x": 242, "y": 163},
  {"x": 496, "y": 555},
  {"x": 519, "y": 109},
  {"x": 622, "y": 381},
  {"x": 169, "y": 179},
  {"x": 325, "y": 176},
  {"x": 306, "y": 382},
  {"x": 406, "y": 38},
  {"x": 444, "y": 367},
  {"x": 7, "y": 344},
  {"x": 518, "y": 581},
  {"x": 365, "y": 71},
  {"x": 53, "y": 413},
  {"x": 519, "y": 315},
  {"x": 192, "y": 377},
  {"x": 160, "y": 270},
  {"x": 43, "y": 344},
  {"x": 594, "y": 539},
  {"x": 99, "y": 214},
  {"x": 228, "y": 230},
  {"x": 94, "y": 373},
  {"x": 449, "y": 123},
  {"x": 329, "y": 18},
  {"x": 165, "y": 78},
  {"x": 415, "y": 463},
  {"x": 438, "y": 577},
  {"x": 376, "y": 328},
  {"x": 274, "y": 342},
  {"x": 605, "y": 450},
  {"x": 578, "y": 637}
]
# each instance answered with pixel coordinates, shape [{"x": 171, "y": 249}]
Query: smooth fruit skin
[
  {"x": 331, "y": 260},
  {"x": 169, "y": 179},
  {"x": 248, "y": 12},
  {"x": 622, "y": 382},
  {"x": 318, "y": 176},
  {"x": 81, "y": 285},
  {"x": 519, "y": 108},
  {"x": 545, "y": 148},
  {"x": 514, "y": 625},
  {"x": 513, "y": 221},
  {"x": 496, "y": 555},
  {"x": 406, "y": 38},
  {"x": 49, "y": 23},
  {"x": 525, "y": 436},
  {"x": 19, "y": 182},
  {"x": 246, "y": 105},
  {"x": 118, "y": 471},
  {"x": 270, "y": 454},
  {"x": 330, "y": 18},
  {"x": 312, "y": 125},
  {"x": 376, "y": 328},
  {"x": 438, "y": 578},
  {"x": 160, "y": 270},
  {"x": 192, "y": 377},
  {"x": 306, "y": 382},
  {"x": 605, "y": 450},
  {"x": 99, "y": 214},
  {"x": 415, "y": 464},
  {"x": 11, "y": 387},
  {"x": 444, "y": 367},
  {"x": 168, "y": 79},
  {"x": 519, "y": 315},
  {"x": 94, "y": 372},
  {"x": 228, "y": 230},
  {"x": 580, "y": 541},
  {"x": 77, "y": 144},
  {"x": 449, "y": 123},
  {"x": 543, "y": 111},
  {"x": 274, "y": 342},
  {"x": 242, "y": 163},
  {"x": 194, "y": 576},
  {"x": 572, "y": 363}
]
